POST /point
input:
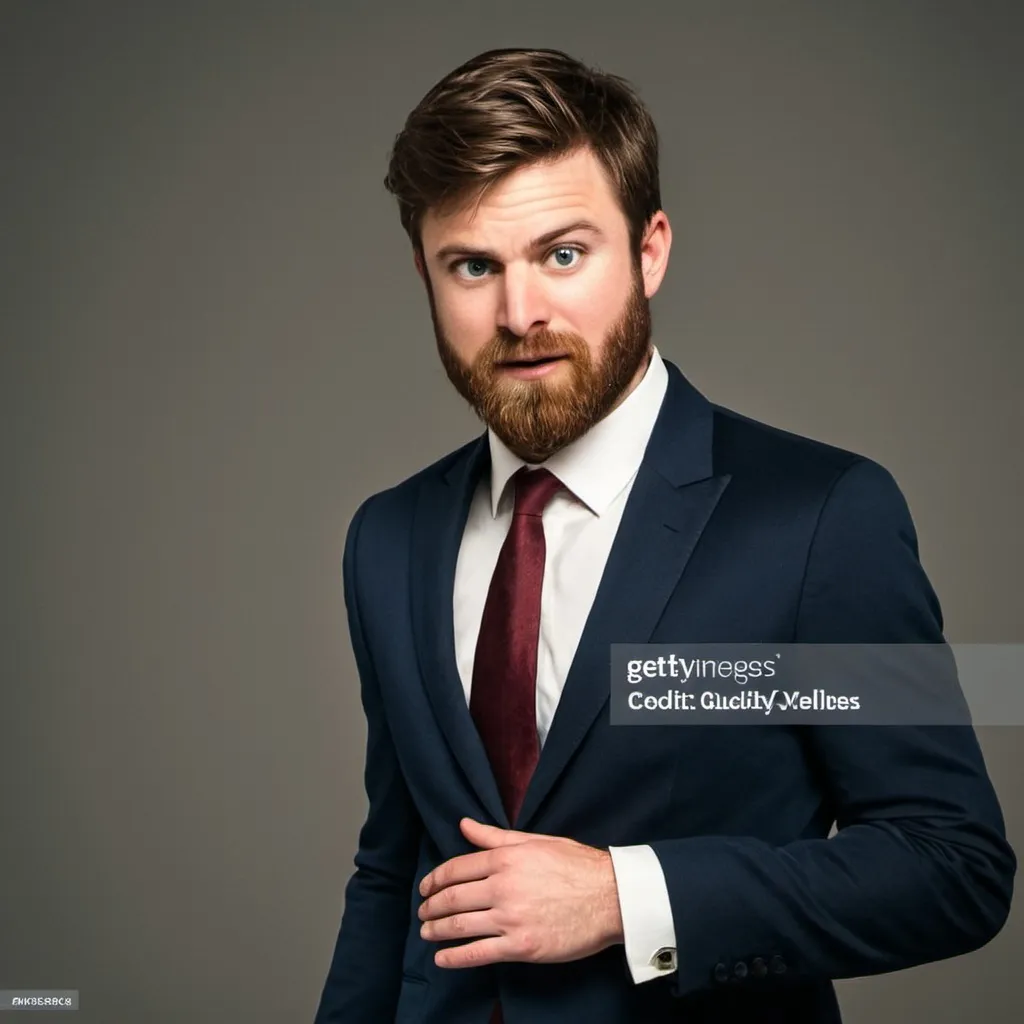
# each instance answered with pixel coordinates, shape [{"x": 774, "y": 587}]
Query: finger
[
  {"x": 456, "y": 899},
  {"x": 468, "y": 867},
  {"x": 491, "y": 836},
  {"x": 475, "y": 954},
  {"x": 459, "y": 926}
]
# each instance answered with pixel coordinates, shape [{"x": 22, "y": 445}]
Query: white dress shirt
[{"x": 599, "y": 469}]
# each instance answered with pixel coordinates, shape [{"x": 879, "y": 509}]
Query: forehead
[{"x": 529, "y": 201}]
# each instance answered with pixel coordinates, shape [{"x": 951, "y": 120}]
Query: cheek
[
  {"x": 593, "y": 305},
  {"x": 468, "y": 321}
]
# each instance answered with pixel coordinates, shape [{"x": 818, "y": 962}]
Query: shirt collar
[{"x": 598, "y": 465}]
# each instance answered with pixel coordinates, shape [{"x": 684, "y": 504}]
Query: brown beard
[{"x": 535, "y": 418}]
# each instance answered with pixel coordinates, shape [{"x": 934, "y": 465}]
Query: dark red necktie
[{"x": 503, "y": 694}]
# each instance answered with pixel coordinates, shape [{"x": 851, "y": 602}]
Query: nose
[{"x": 525, "y": 303}]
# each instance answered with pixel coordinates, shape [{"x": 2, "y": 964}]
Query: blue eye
[
  {"x": 566, "y": 249},
  {"x": 481, "y": 265},
  {"x": 477, "y": 268}
]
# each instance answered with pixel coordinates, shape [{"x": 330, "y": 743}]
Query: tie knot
[{"x": 534, "y": 489}]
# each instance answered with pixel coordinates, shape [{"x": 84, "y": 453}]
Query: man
[{"x": 523, "y": 859}]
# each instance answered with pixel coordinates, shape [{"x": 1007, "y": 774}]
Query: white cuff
[{"x": 647, "y": 926}]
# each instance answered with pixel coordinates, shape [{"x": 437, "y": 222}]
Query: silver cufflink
[{"x": 664, "y": 959}]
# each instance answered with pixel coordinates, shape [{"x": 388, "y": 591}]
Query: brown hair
[{"x": 507, "y": 108}]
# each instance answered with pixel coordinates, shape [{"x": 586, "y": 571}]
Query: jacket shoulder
[
  {"x": 783, "y": 469},
  {"x": 753, "y": 449},
  {"x": 400, "y": 498}
]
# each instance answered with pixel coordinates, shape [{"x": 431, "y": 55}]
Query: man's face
[{"x": 542, "y": 330}]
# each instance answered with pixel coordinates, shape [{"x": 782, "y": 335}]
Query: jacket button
[
  {"x": 758, "y": 967},
  {"x": 778, "y": 965},
  {"x": 721, "y": 972},
  {"x": 740, "y": 970}
]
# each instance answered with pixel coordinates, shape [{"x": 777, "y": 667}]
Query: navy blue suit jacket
[{"x": 734, "y": 532}]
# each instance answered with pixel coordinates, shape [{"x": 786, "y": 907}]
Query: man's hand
[{"x": 534, "y": 898}]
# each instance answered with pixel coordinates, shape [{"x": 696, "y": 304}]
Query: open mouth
[{"x": 539, "y": 361}]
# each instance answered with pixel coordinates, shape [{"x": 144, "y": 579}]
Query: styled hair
[{"x": 507, "y": 108}]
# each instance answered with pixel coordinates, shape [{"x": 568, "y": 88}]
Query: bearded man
[{"x": 523, "y": 859}]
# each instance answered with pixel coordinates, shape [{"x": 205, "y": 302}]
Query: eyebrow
[{"x": 466, "y": 251}]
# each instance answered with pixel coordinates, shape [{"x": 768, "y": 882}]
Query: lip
[{"x": 528, "y": 371}]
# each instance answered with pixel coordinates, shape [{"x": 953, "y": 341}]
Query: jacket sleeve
[
  {"x": 919, "y": 868},
  {"x": 364, "y": 978}
]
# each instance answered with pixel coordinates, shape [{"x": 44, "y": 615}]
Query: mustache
[{"x": 502, "y": 350}]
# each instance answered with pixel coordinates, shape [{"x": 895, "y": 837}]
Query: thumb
[{"x": 491, "y": 836}]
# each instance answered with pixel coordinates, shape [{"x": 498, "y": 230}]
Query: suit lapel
[
  {"x": 441, "y": 514},
  {"x": 672, "y": 498}
]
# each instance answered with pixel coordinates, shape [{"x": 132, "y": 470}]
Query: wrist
[{"x": 612, "y": 929}]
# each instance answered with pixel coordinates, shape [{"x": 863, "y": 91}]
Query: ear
[
  {"x": 654, "y": 251},
  {"x": 417, "y": 258}
]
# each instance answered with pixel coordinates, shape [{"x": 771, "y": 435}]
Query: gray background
[{"x": 215, "y": 345}]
